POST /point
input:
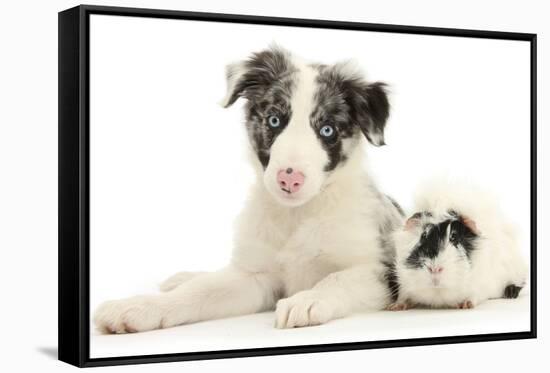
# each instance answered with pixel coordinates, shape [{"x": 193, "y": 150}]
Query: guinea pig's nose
[
  {"x": 435, "y": 269},
  {"x": 290, "y": 180}
]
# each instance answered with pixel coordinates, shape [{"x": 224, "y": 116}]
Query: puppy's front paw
[
  {"x": 136, "y": 314},
  {"x": 302, "y": 309}
]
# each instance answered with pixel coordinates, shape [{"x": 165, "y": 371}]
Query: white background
[
  {"x": 168, "y": 172},
  {"x": 28, "y": 151}
]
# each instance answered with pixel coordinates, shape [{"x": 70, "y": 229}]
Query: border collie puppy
[{"x": 311, "y": 240}]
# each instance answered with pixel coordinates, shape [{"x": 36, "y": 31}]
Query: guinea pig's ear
[
  {"x": 252, "y": 77},
  {"x": 413, "y": 221},
  {"x": 470, "y": 224},
  {"x": 368, "y": 102}
]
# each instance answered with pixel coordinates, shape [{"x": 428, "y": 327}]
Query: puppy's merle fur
[
  {"x": 314, "y": 254},
  {"x": 342, "y": 100}
]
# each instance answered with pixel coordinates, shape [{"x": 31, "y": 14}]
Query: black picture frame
[{"x": 74, "y": 312}]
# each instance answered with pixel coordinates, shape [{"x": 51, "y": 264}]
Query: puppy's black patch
[
  {"x": 512, "y": 291},
  {"x": 344, "y": 102},
  {"x": 267, "y": 82},
  {"x": 350, "y": 106},
  {"x": 391, "y": 281}
]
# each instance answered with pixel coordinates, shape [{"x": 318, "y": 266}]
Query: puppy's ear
[
  {"x": 371, "y": 109},
  {"x": 368, "y": 102},
  {"x": 251, "y": 78},
  {"x": 376, "y": 112},
  {"x": 234, "y": 74}
]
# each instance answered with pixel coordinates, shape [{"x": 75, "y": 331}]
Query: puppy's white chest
[{"x": 302, "y": 264}]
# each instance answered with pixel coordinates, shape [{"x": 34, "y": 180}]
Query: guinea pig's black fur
[{"x": 434, "y": 236}]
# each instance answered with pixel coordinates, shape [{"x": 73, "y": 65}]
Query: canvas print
[{"x": 264, "y": 186}]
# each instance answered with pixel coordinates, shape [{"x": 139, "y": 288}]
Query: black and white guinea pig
[{"x": 456, "y": 251}]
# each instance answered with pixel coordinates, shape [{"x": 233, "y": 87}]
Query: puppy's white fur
[
  {"x": 314, "y": 258},
  {"x": 496, "y": 261},
  {"x": 297, "y": 146},
  {"x": 323, "y": 256}
]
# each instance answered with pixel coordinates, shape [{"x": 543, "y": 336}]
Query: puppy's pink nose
[{"x": 290, "y": 180}]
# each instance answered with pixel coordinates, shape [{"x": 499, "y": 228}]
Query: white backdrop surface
[{"x": 168, "y": 170}]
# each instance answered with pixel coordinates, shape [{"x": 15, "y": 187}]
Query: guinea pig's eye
[
  {"x": 327, "y": 131},
  {"x": 274, "y": 121}
]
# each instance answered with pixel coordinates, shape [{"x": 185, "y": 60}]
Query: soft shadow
[{"x": 51, "y": 352}]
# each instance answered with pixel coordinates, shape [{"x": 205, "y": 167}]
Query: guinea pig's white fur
[{"x": 496, "y": 261}]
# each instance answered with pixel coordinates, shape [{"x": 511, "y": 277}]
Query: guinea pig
[{"x": 456, "y": 251}]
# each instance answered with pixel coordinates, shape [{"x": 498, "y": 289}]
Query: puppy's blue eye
[
  {"x": 274, "y": 121},
  {"x": 327, "y": 131}
]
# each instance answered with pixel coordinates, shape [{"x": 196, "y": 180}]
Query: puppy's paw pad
[{"x": 302, "y": 309}]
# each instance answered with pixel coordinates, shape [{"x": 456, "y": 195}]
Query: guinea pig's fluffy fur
[{"x": 490, "y": 267}]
